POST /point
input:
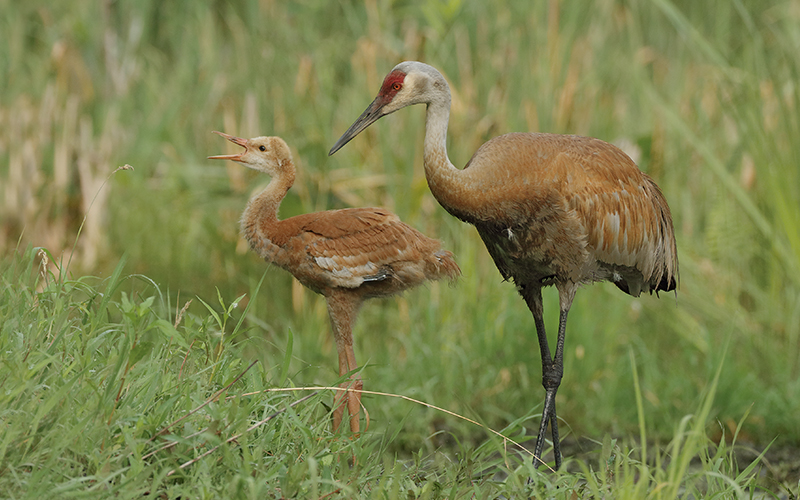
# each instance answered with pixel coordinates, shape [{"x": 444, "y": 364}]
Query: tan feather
[
  {"x": 551, "y": 209},
  {"x": 346, "y": 255}
]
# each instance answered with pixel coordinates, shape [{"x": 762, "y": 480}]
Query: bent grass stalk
[
  {"x": 315, "y": 390},
  {"x": 505, "y": 439},
  {"x": 86, "y": 214}
]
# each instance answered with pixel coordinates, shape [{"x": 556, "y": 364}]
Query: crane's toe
[
  {"x": 354, "y": 405},
  {"x": 349, "y": 398}
]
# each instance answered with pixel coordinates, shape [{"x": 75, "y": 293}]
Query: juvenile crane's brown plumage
[
  {"x": 551, "y": 209},
  {"x": 346, "y": 255}
]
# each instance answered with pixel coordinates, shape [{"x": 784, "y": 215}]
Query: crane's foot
[
  {"x": 348, "y": 397},
  {"x": 548, "y": 415},
  {"x": 354, "y": 405},
  {"x": 338, "y": 409}
]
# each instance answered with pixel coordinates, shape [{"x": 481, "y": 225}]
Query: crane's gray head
[
  {"x": 270, "y": 155},
  {"x": 410, "y": 82}
]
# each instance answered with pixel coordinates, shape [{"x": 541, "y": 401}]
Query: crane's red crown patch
[{"x": 392, "y": 84}]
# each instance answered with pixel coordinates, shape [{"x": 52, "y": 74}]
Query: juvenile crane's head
[
  {"x": 270, "y": 155},
  {"x": 410, "y": 82}
]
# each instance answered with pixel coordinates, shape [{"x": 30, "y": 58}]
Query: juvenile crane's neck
[
  {"x": 449, "y": 185},
  {"x": 260, "y": 219}
]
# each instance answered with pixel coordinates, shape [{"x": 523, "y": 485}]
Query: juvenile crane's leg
[
  {"x": 353, "y": 398},
  {"x": 342, "y": 312}
]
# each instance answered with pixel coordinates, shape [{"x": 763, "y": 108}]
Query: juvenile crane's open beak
[
  {"x": 236, "y": 140},
  {"x": 367, "y": 118}
]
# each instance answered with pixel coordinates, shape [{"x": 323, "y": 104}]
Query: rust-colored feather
[
  {"x": 348, "y": 248},
  {"x": 578, "y": 209},
  {"x": 346, "y": 255},
  {"x": 551, "y": 209}
]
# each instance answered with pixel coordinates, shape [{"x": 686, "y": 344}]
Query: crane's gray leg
[
  {"x": 533, "y": 297},
  {"x": 552, "y": 374},
  {"x": 551, "y": 379},
  {"x": 552, "y": 368}
]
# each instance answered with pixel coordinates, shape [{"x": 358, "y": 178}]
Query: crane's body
[
  {"x": 346, "y": 255},
  {"x": 551, "y": 209},
  {"x": 368, "y": 252},
  {"x": 564, "y": 208}
]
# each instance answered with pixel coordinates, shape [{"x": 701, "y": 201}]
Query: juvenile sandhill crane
[
  {"x": 347, "y": 255},
  {"x": 551, "y": 209}
]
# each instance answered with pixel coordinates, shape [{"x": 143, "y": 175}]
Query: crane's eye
[
  {"x": 396, "y": 86},
  {"x": 262, "y": 148}
]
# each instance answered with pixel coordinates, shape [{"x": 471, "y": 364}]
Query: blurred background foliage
[{"x": 703, "y": 95}]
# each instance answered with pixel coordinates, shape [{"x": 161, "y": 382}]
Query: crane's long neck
[
  {"x": 449, "y": 185},
  {"x": 260, "y": 219}
]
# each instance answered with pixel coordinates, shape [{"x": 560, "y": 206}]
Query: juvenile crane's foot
[
  {"x": 350, "y": 398},
  {"x": 354, "y": 405}
]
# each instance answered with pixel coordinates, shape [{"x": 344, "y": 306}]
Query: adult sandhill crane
[
  {"x": 347, "y": 255},
  {"x": 551, "y": 209}
]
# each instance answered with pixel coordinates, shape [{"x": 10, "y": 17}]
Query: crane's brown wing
[
  {"x": 626, "y": 217},
  {"x": 569, "y": 205},
  {"x": 347, "y": 247}
]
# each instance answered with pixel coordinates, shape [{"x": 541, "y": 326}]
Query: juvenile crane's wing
[{"x": 345, "y": 248}]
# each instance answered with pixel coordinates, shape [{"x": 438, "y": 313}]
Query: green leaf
[
  {"x": 139, "y": 352},
  {"x": 170, "y": 332},
  {"x": 213, "y": 312}
]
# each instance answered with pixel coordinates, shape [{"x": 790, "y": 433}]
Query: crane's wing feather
[
  {"x": 350, "y": 246},
  {"x": 627, "y": 220},
  {"x": 572, "y": 206}
]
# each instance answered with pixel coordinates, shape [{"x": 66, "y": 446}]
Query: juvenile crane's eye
[{"x": 262, "y": 148}]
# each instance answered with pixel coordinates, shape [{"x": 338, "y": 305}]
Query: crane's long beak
[
  {"x": 367, "y": 118},
  {"x": 236, "y": 140}
]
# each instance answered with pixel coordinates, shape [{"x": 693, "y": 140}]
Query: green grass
[
  {"x": 117, "y": 397},
  {"x": 93, "y": 364}
]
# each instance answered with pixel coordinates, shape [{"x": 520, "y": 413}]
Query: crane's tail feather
[{"x": 445, "y": 266}]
